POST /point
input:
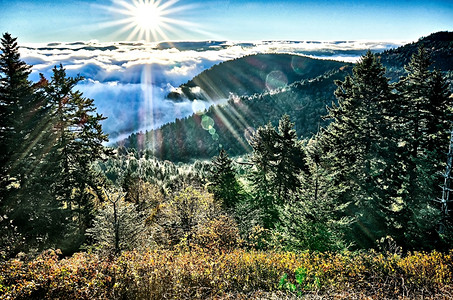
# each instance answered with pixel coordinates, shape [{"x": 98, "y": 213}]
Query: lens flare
[{"x": 275, "y": 80}]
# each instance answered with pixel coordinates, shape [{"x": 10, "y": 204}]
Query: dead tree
[
  {"x": 446, "y": 187},
  {"x": 114, "y": 200}
]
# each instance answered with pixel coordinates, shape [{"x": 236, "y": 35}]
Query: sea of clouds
[{"x": 129, "y": 81}]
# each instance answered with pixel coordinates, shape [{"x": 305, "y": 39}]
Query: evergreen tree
[
  {"x": 31, "y": 218},
  {"x": 15, "y": 94},
  {"x": 264, "y": 201},
  {"x": 359, "y": 144},
  {"x": 53, "y": 135},
  {"x": 314, "y": 220},
  {"x": 423, "y": 123},
  {"x": 223, "y": 182},
  {"x": 77, "y": 139},
  {"x": 278, "y": 159},
  {"x": 290, "y": 159}
]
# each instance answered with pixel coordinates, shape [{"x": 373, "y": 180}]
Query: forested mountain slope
[
  {"x": 261, "y": 80},
  {"x": 439, "y": 46},
  {"x": 252, "y": 74}
]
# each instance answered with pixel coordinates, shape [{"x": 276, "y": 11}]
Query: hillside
[
  {"x": 439, "y": 45},
  {"x": 229, "y": 126},
  {"x": 252, "y": 74}
]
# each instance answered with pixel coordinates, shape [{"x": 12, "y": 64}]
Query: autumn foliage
[{"x": 200, "y": 274}]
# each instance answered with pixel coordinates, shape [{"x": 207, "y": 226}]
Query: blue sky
[{"x": 74, "y": 20}]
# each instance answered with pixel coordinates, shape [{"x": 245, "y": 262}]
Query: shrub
[
  {"x": 204, "y": 274},
  {"x": 219, "y": 234}
]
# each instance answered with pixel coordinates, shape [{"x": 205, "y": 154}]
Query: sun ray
[{"x": 149, "y": 20}]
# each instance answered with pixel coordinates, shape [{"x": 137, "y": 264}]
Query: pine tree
[
  {"x": 223, "y": 182},
  {"x": 264, "y": 201},
  {"x": 290, "y": 159},
  {"x": 32, "y": 219},
  {"x": 314, "y": 220},
  {"x": 76, "y": 139},
  {"x": 15, "y": 94},
  {"x": 359, "y": 145}
]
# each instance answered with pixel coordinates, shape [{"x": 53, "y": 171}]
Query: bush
[
  {"x": 177, "y": 220},
  {"x": 220, "y": 234}
]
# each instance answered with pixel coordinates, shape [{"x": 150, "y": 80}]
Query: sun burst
[
  {"x": 147, "y": 15},
  {"x": 149, "y": 20}
]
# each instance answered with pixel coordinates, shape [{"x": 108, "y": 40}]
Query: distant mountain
[
  {"x": 193, "y": 46},
  {"x": 252, "y": 74},
  {"x": 229, "y": 126},
  {"x": 439, "y": 45}
]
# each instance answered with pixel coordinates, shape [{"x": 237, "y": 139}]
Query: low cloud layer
[{"x": 129, "y": 81}]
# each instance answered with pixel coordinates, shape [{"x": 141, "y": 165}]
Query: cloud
[{"x": 129, "y": 81}]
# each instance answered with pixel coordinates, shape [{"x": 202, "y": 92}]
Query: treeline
[
  {"x": 439, "y": 45},
  {"x": 49, "y": 135}
]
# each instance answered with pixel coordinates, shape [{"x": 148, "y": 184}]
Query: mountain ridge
[
  {"x": 439, "y": 45},
  {"x": 229, "y": 126},
  {"x": 252, "y": 74}
]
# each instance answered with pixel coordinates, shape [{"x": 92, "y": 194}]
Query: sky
[{"x": 237, "y": 20}]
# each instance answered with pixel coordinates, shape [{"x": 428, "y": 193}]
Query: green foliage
[
  {"x": 314, "y": 219},
  {"x": 302, "y": 282},
  {"x": 52, "y": 135},
  {"x": 30, "y": 216},
  {"x": 360, "y": 149},
  {"x": 424, "y": 121},
  {"x": 278, "y": 159}
]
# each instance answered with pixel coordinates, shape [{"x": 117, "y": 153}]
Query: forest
[{"x": 347, "y": 197}]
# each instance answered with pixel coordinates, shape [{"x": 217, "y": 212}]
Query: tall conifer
[{"x": 359, "y": 144}]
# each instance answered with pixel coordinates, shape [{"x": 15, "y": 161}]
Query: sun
[
  {"x": 149, "y": 20},
  {"x": 147, "y": 15}
]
